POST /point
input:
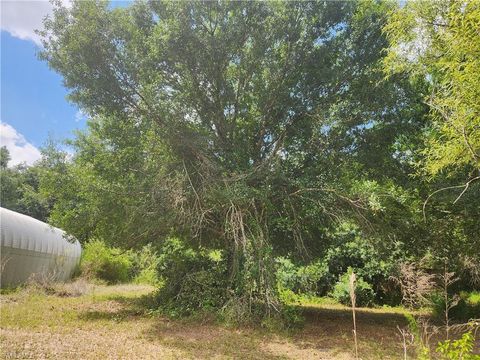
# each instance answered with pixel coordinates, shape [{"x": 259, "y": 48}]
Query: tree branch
[{"x": 465, "y": 186}]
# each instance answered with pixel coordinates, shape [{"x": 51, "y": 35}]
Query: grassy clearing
[{"x": 112, "y": 322}]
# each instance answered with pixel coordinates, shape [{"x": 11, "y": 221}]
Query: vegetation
[
  {"x": 78, "y": 320},
  {"x": 105, "y": 263},
  {"x": 36, "y": 325},
  {"x": 247, "y": 156},
  {"x": 20, "y": 190},
  {"x": 439, "y": 43},
  {"x": 459, "y": 349},
  {"x": 364, "y": 294},
  {"x": 112, "y": 265}
]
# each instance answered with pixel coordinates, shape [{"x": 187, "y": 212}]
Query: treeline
[{"x": 276, "y": 143}]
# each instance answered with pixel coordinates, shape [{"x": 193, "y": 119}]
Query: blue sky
[
  {"x": 33, "y": 98},
  {"x": 33, "y": 103}
]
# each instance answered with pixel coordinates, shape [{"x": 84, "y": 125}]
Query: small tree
[
  {"x": 415, "y": 284},
  {"x": 408, "y": 339},
  {"x": 446, "y": 279},
  {"x": 4, "y": 157}
]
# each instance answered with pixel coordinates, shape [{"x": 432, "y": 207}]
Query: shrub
[
  {"x": 363, "y": 291},
  {"x": 308, "y": 279},
  {"x": 148, "y": 276},
  {"x": 105, "y": 263},
  {"x": 459, "y": 349},
  {"x": 194, "y": 280},
  {"x": 352, "y": 251},
  {"x": 467, "y": 308},
  {"x": 145, "y": 266},
  {"x": 286, "y": 274},
  {"x": 290, "y": 317}
]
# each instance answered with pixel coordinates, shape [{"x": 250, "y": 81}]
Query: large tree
[
  {"x": 438, "y": 43},
  {"x": 237, "y": 125}
]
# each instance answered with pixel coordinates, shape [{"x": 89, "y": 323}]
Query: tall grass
[{"x": 353, "y": 299}]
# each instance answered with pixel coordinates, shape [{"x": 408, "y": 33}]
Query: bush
[
  {"x": 104, "y": 263},
  {"x": 363, "y": 291},
  {"x": 459, "y": 349},
  {"x": 194, "y": 280},
  {"x": 468, "y": 306},
  {"x": 148, "y": 276},
  {"x": 352, "y": 251},
  {"x": 308, "y": 279},
  {"x": 359, "y": 253},
  {"x": 145, "y": 266},
  {"x": 286, "y": 274}
]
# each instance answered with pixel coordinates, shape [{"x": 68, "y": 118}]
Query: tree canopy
[
  {"x": 439, "y": 42},
  {"x": 267, "y": 129}
]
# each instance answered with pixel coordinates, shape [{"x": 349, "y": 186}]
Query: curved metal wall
[{"x": 31, "y": 248}]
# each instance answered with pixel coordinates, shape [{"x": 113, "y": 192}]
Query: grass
[{"x": 112, "y": 322}]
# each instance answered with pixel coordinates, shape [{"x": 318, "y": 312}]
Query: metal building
[{"x": 31, "y": 248}]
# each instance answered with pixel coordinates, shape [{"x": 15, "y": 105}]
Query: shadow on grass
[
  {"x": 326, "y": 331},
  {"x": 333, "y": 328},
  {"x": 315, "y": 314},
  {"x": 326, "y": 334},
  {"x": 195, "y": 338},
  {"x": 211, "y": 340},
  {"x": 120, "y": 308}
]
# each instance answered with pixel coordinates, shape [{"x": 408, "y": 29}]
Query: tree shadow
[
  {"x": 333, "y": 328},
  {"x": 120, "y": 308},
  {"x": 326, "y": 331},
  {"x": 210, "y": 340},
  {"x": 194, "y": 338}
]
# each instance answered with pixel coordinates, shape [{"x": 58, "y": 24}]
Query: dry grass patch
[{"x": 112, "y": 322}]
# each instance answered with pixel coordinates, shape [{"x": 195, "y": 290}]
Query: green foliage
[
  {"x": 145, "y": 266},
  {"x": 435, "y": 45},
  {"x": 365, "y": 295},
  {"x": 467, "y": 308},
  {"x": 20, "y": 187},
  {"x": 353, "y": 251},
  {"x": 4, "y": 157},
  {"x": 473, "y": 297},
  {"x": 255, "y": 131},
  {"x": 300, "y": 279},
  {"x": 114, "y": 265},
  {"x": 105, "y": 263},
  {"x": 291, "y": 317},
  {"x": 460, "y": 349},
  {"x": 209, "y": 119},
  {"x": 438, "y": 41},
  {"x": 194, "y": 280}
]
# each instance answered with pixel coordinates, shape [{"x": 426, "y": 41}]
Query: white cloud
[
  {"x": 20, "y": 149},
  {"x": 22, "y": 17}
]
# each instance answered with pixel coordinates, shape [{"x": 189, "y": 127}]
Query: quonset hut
[{"x": 31, "y": 248}]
